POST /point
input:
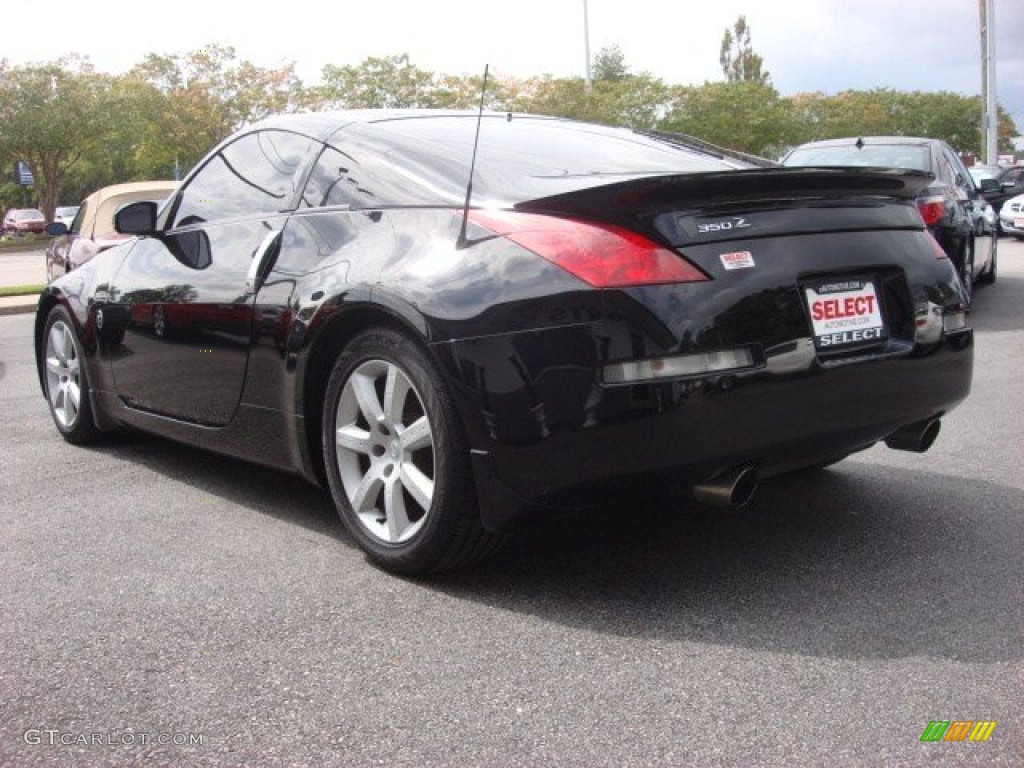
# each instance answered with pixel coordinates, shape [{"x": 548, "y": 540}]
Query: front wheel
[
  {"x": 397, "y": 462},
  {"x": 67, "y": 388}
]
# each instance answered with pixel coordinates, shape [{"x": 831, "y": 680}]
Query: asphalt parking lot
[{"x": 164, "y": 606}]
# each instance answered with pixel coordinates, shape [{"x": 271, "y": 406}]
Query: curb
[{"x": 18, "y": 305}]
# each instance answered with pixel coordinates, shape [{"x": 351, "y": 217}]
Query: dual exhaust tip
[
  {"x": 917, "y": 437},
  {"x": 732, "y": 488},
  {"x": 736, "y": 487}
]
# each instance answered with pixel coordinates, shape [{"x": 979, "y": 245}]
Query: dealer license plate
[{"x": 845, "y": 313}]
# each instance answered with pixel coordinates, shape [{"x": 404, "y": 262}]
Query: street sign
[{"x": 23, "y": 174}]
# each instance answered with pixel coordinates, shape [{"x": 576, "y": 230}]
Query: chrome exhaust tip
[
  {"x": 732, "y": 488},
  {"x": 917, "y": 437}
]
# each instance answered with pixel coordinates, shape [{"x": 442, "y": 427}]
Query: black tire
[
  {"x": 398, "y": 466},
  {"x": 989, "y": 275},
  {"x": 66, "y": 383}
]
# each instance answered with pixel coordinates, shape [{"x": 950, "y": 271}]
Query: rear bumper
[{"x": 544, "y": 434}]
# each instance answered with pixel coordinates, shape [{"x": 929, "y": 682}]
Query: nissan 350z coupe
[{"x": 318, "y": 297}]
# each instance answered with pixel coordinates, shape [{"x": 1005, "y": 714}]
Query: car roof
[
  {"x": 131, "y": 187},
  {"x": 872, "y": 140},
  {"x": 323, "y": 125},
  {"x": 519, "y": 156}
]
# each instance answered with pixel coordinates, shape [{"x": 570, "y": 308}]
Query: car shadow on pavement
[
  {"x": 859, "y": 561},
  {"x": 270, "y": 492},
  {"x": 988, "y": 314}
]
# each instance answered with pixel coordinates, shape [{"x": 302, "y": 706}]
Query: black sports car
[{"x": 325, "y": 295}]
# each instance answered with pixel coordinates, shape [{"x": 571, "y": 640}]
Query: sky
[{"x": 807, "y": 45}]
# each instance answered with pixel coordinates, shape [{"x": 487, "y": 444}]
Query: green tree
[
  {"x": 610, "y": 65},
  {"x": 547, "y": 95},
  {"x": 51, "y": 115},
  {"x": 618, "y": 96},
  {"x": 737, "y": 57},
  {"x": 951, "y": 117},
  {"x": 744, "y": 115},
  {"x": 195, "y": 100},
  {"x": 394, "y": 82}
]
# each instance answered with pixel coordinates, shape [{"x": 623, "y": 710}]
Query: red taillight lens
[
  {"x": 931, "y": 209},
  {"x": 602, "y": 255}
]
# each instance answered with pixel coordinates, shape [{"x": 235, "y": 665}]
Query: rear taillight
[
  {"x": 602, "y": 255},
  {"x": 931, "y": 209}
]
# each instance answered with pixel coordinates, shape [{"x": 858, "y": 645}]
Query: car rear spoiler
[{"x": 658, "y": 193}]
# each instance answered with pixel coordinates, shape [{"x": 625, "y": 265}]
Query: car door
[{"x": 188, "y": 293}]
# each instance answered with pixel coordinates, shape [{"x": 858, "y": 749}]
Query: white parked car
[
  {"x": 1011, "y": 217},
  {"x": 65, "y": 214}
]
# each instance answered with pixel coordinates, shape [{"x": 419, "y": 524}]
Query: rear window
[
  {"x": 914, "y": 157},
  {"x": 522, "y": 158}
]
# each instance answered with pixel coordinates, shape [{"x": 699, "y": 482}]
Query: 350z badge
[{"x": 726, "y": 225}]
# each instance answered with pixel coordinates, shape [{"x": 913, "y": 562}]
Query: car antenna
[{"x": 462, "y": 241}]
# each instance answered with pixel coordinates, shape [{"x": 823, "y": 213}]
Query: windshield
[{"x": 910, "y": 156}]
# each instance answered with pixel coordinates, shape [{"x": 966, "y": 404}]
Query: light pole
[
  {"x": 990, "y": 114},
  {"x": 586, "y": 44}
]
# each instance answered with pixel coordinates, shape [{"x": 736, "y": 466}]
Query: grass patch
[
  {"x": 22, "y": 242},
  {"x": 21, "y": 290}
]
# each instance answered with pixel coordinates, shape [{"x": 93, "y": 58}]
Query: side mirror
[
  {"x": 56, "y": 228},
  {"x": 988, "y": 185},
  {"x": 136, "y": 218}
]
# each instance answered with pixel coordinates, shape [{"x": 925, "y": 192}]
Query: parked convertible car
[
  {"x": 325, "y": 295},
  {"x": 953, "y": 208},
  {"x": 92, "y": 229}
]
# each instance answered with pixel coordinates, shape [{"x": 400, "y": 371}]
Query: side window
[
  {"x": 958, "y": 173},
  {"x": 946, "y": 172},
  {"x": 76, "y": 225},
  {"x": 338, "y": 179},
  {"x": 258, "y": 173},
  {"x": 363, "y": 180}
]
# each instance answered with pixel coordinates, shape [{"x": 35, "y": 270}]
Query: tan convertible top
[{"x": 102, "y": 204}]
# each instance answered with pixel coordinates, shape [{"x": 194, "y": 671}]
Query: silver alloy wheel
[
  {"x": 385, "y": 451},
  {"x": 63, "y": 374}
]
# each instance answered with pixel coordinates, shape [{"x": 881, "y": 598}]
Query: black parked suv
[{"x": 952, "y": 206}]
